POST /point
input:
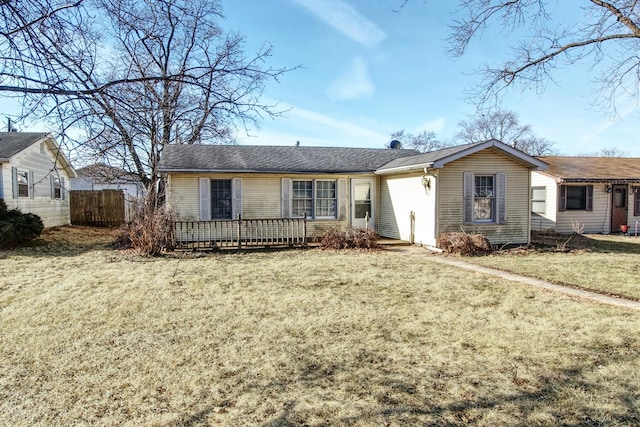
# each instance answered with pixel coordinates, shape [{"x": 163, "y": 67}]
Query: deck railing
[{"x": 240, "y": 233}]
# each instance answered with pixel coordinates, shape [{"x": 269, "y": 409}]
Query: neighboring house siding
[
  {"x": 399, "y": 196},
  {"x": 546, "y": 220},
  {"x": 261, "y": 197},
  {"x": 487, "y": 162},
  {"x": 39, "y": 161},
  {"x": 597, "y": 220}
]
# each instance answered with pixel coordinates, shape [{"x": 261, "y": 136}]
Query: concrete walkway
[{"x": 543, "y": 284}]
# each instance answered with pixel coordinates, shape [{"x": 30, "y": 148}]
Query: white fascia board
[{"x": 418, "y": 167}]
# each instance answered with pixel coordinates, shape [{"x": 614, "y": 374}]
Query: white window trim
[
  {"x": 543, "y": 188},
  {"x": 499, "y": 214},
  {"x": 287, "y": 186}
]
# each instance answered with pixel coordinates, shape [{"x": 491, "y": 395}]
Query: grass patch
[
  {"x": 609, "y": 264},
  {"x": 92, "y": 336}
]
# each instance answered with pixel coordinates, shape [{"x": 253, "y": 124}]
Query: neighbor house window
[
  {"x": 576, "y": 198},
  {"x": 315, "y": 198},
  {"x": 539, "y": 199},
  {"x": 23, "y": 184},
  {"x": 485, "y": 198},
  {"x": 220, "y": 199},
  {"x": 56, "y": 188}
]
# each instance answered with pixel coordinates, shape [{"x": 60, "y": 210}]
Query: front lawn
[
  {"x": 91, "y": 336},
  {"x": 608, "y": 264}
]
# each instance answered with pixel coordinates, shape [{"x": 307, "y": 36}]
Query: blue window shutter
[
  {"x": 52, "y": 186},
  {"x": 32, "y": 185},
  {"x": 589, "y": 201},
  {"x": 468, "y": 191},
  {"x": 205, "y": 199},
  {"x": 14, "y": 181},
  {"x": 62, "y": 189},
  {"x": 236, "y": 197},
  {"x": 562, "y": 199},
  {"x": 342, "y": 198},
  {"x": 286, "y": 198},
  {"x": 636, "y": 201},
  {"x": 501, "y": 217}
]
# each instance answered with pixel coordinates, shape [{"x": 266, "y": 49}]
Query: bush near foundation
[
  {"x": 462, "y": 243},
  {"x": 17, "y": 227},
  {"x": 349, "y": 238}
]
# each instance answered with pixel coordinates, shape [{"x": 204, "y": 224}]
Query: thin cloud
[
  {"x": 435, "y": 125},
  {"x": 313, "y": 128},
  {"x": 354, "y": 82},
  {"x": 346, "y": 20}
]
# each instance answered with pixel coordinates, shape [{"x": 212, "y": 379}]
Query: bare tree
[
  {"x": 607, "y": 152},
  {"x": 603, "y": 34},
  {"x": 505, "y": 127},
  {"x": 137, "y": 75},
  {"x": 423, "y": 141}
]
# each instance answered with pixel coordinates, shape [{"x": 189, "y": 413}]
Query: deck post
[
  {"x": 304, "y": 229},
  {"x": 239, "y": 231}
]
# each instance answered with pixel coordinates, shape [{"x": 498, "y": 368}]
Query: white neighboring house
[
  {"x": 35, "y": 176},
  {"x": 104, "y": 177},
  {"x": 586, "y": 195}
]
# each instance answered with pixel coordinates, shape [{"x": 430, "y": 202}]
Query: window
[
  {"x": 325, "y": 199},
  {"x": 539, "y": 199},
  {"x": 316, "y": 198},
  {"x": 483, "y": 201},
  {"x": 302, "y": 198},
  {"x": 576, "y": 198},
  {"x": 485, "y": 198},
  {"x": 56, "y": 187},
  {"x": 220, "y": 199},
  {"x": 636, "y": 201},
  {"x": 23, "y": 184}
]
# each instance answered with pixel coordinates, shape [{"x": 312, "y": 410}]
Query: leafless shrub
[
  {"x": 463, "y": 243},
  {"x": 349, "y": 238},
  {"x": 148, "y": 233}
]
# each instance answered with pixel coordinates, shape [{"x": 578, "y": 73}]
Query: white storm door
[{"x": 362, "y": 203}]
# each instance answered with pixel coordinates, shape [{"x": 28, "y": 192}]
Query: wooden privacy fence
[
  {"x": 239, "y": 233},
  {"x": 102, "y": 208}
]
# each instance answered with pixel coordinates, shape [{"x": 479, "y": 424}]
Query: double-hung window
[
  {"x": 539, "y": 200},
  {"x": 23, "y": 184},
  {"x": 315, "y": 198},
  {"x": 220, "y": 199},
  {"x": 484, "y": 198},
  {"x": 56, "y": 187},
  {"x": 302, "y": 198}
]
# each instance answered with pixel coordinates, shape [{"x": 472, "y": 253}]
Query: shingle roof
[
  {"x": 290, "y": 159},
  {"x": 107, "y": 174},
  {"x": 595, "y": 169},
  {"x": 11, "y": 143},
  {"x": 437, "y": 159}
]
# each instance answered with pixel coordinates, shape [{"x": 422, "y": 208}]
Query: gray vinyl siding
[
  {"x": 39, "y": 160},
  {"x": 486, "y": 162}
]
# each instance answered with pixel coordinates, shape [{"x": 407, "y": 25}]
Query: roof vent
[{"x": 395, "y": 145}]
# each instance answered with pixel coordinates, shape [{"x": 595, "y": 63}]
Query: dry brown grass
[
  {"x": 609, "y": 264},
  {"x": 94, "y": 337}
]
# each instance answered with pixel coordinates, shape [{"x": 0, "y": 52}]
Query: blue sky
[{"x": 367, "y": 71}]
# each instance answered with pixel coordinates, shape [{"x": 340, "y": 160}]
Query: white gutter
[{"x": 421, "y": 166}]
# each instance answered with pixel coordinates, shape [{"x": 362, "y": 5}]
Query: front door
[
  {"x": 619, "y": 206},
  {"x": 362, "y": 203}
]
